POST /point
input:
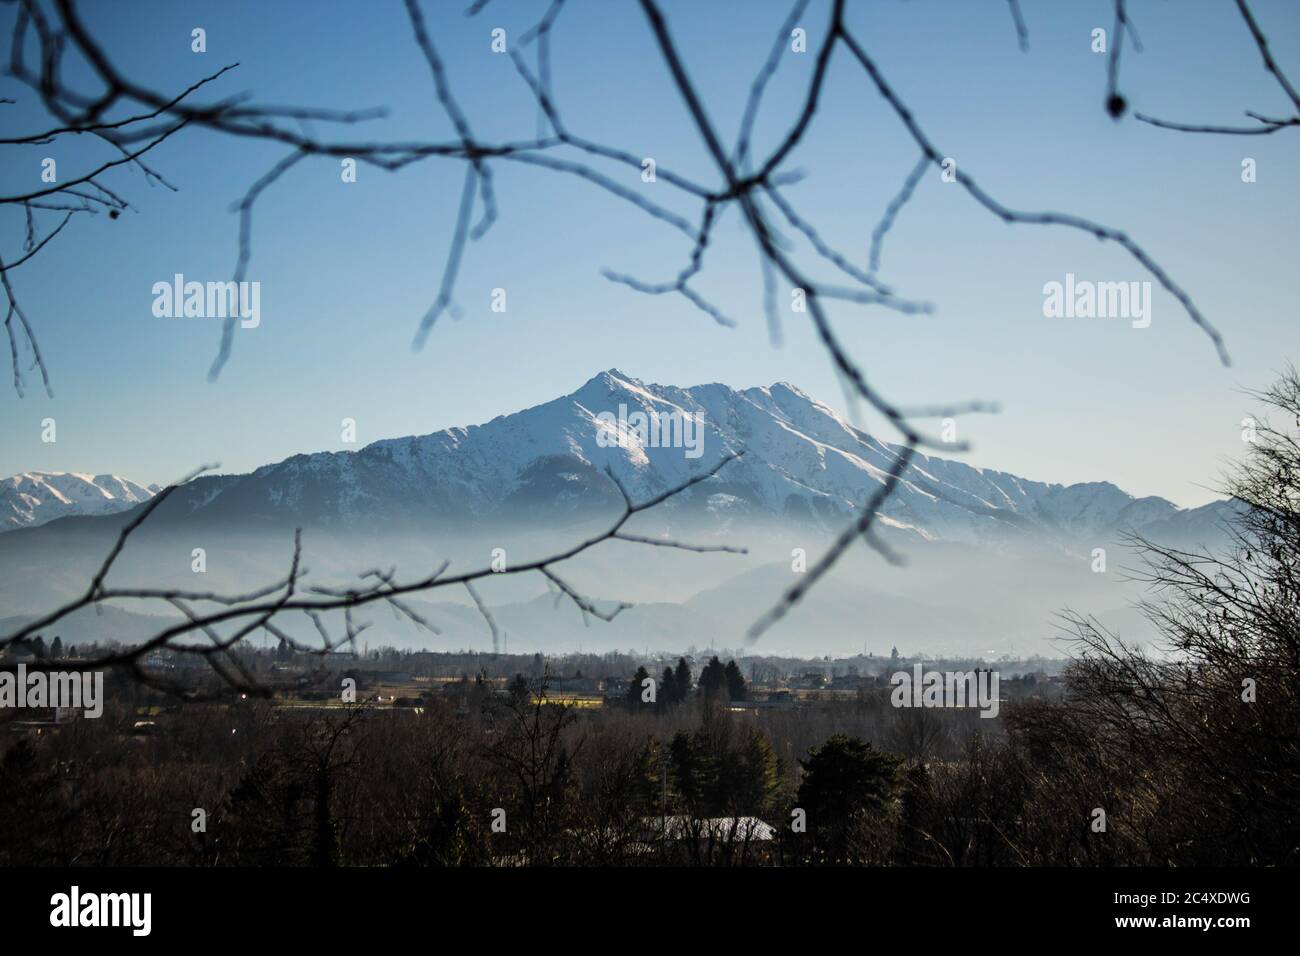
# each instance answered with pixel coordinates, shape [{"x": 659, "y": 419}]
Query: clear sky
[{"x": 348, "y": 269}]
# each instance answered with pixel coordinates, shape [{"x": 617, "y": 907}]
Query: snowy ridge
[
  {"x": 802, "y": 463},
  {"x": 37, "y": 497}
]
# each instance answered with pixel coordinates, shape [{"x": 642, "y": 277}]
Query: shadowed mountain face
[{"x": 536, "y": 480}]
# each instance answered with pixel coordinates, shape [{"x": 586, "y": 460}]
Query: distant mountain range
[
  {"x": 803, "y": 464},
  {"x": 37, "y": 497},
  {"x": 992, "y": 557}
]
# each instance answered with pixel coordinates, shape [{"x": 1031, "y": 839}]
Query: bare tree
[
  {"x": 528, "y": 744},
  {"x": 1264, "y": 125},
  {"x": 1209, "y": 722},
  {"x": 245, "y": 613},
  {"x": 131, "y": 119}
]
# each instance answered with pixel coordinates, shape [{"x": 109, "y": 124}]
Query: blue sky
[{"x": 347, "y": 270}]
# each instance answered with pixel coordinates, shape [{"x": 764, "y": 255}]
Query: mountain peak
[{"x": 613, "y": 378}]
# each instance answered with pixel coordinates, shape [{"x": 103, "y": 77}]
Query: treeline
[
  {"x": 716, "y": 681},
  {"x": 513, "y": 779}
]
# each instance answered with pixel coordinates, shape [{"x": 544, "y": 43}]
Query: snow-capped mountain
[
  {"x": 991, "y": 556},
  {"x": 802, "y": 463},
  {"x": 36, "y": 497}
]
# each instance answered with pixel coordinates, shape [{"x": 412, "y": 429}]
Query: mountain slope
[
  {"x": 991, "y": 556},
  {"x": 802, "y": 464}
]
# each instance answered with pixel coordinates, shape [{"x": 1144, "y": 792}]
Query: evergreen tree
[
  {"x": 668, "y": 689},
  {"x": 735, "y": 681},
  {"x": 713, "y": 678},
  {"x": 56, "y": 649},
  {"x": 847, "y": 788},
  {"x": 682, "y": 679},
  {"x": 636, "y": 686},
  {"x": 760, "y": 776},
  {"x": 689, "y": 764}
]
